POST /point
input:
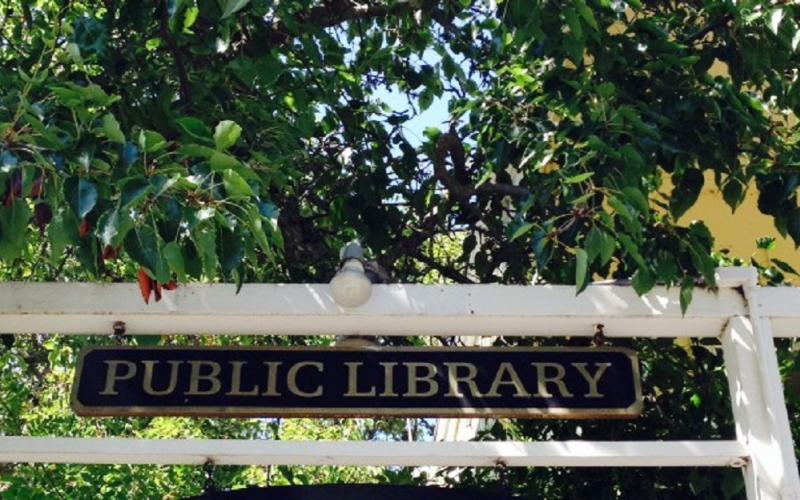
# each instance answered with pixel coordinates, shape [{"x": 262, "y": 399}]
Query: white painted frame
[{"x": 744, "y": 316}]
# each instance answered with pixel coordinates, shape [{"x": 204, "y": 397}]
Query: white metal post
[{"x": 759, "y": 408}]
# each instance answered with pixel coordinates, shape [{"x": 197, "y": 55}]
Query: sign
[{"x": 426, "y": 382}]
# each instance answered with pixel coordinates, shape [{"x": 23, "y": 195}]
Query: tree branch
[
  {"x": 186, "y": 89},
  {"x": 445, "y": 271},
  {"x": 458, "y": 185},
  {"x": 709, "y": 28}
]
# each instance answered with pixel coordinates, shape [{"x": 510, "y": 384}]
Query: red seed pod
[
  {"x": 85, "y": 228},
  {"x": 13, "y": 189},
  {"x": 42, "y": 215},
  {"x": 37, "y": 189},
  {"x": 171, "y": 285},
  {"x": 145, "y": 285},
  {"x": 109, "y": 253}
]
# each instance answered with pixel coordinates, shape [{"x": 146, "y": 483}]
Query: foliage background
[{"x": 246, "y": 141}]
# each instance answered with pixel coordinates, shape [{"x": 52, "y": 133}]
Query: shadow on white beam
[
  {"x": 264, "y": 452},
  {"x": 542, "y": 310}
]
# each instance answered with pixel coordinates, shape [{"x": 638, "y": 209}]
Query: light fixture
[{"x": 351, "y": 287}]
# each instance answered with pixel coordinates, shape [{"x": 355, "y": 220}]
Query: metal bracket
[
  {"x": 119, "y": 332},
  {"x": 599, "y": 338}
]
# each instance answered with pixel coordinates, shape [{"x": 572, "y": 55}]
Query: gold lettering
[
  {"x": 352, "y": 381},
  {"x": 112, "y": 376},
  {"x": 291, "y": 379},
  {"x": 147, "y": 384},
  {"x": 414, "y": 378},
  {"x": 272, "y": 378},
  {"x": 542, "y": 379},
  {"x": 196, "y": 377},
  {"x": 592, "y": 379},
  {"x": 388, "y": 378},
  {"x": 455, "y": 379},
  {"x": 236, "y": 381},
  {"x": 512, "y": 380}
]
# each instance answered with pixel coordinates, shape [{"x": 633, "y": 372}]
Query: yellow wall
[{"x": 738, "y": 231}]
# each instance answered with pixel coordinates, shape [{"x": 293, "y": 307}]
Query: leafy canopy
[{"x": 247, "y": 140}]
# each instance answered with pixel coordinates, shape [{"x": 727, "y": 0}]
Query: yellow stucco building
[{"x": 739, "y": 230}]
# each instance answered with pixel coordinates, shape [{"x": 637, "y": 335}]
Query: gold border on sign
[{"x": 632, "y": 411}]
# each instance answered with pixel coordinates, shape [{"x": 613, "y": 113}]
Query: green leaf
[
  {"x": 142, "y": 245},
  {"x": 81, "y": 194},
  {"x": 793, "y": 225},
  {"x": 784, "y": 266},
  {"x": 226, "y": 134},
  {"x": 174, "y": 257},
  {"x": 607, "y": 248},
  {"x": 147, "y": 340},
  {"x": 606, "y": 90},
  {"x": 426, "y": 99},
  {"x": 231, "y": 251},
  {"x": 733, "y": 193},
  {"x": 13, "y": 229},
  {"x": 152, "y": 142},
  {"x": 189, "y": 18},
  {"x": 687, "y": 190},
  {"x": 220, "y": 162},
  {"x": 204, "y": 238},
  {"x": 732, "y": 484},
  {"x": 633, "y": 160},
  {"x": 636, "y": 199},
  {"x": 233, "y": 6},
  {"x": 519, "y": 228},
  {"x": 196, "y": 150},
  {"x": 687, "y": 286},
  {"x": 632, "y": 249},
  {"x": 571, "y": 18},
  {"x": 59, "y": 237},
  {"x": 542, "y": 249},
  {"x": 578, "y": 178},
  {"x": 581, "y": 270},
  {"x": 666, "y": 267},
  {"x": 766, "y": 243},
  {"x": 586, "y": 13},
  {"x": 620, "y": 208},
  {"x": 113, "y": 226},
  {"x": 111, "y": 129},
  {"x": 194, "y": 128},
  {"x": 134, "y": 190},
  {"x": 631, "y": 115},
  {"x": 235, "y": 186},
  {"x": 643, "y": 281},
  {"x": 593, "y": 243},
  {"x": 700, "y": 244},
  {"x": 257, "y": 230}
]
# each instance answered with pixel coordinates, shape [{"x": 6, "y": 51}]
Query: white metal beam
[
  {"x": 266, "y": 452},
  {"x": 542, "y": 310},
  {"x": 781, "y": 305},
  {"x": 759, "y": 409}
]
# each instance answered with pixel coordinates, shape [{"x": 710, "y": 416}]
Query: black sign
[{"x": 427, "y": 382}]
